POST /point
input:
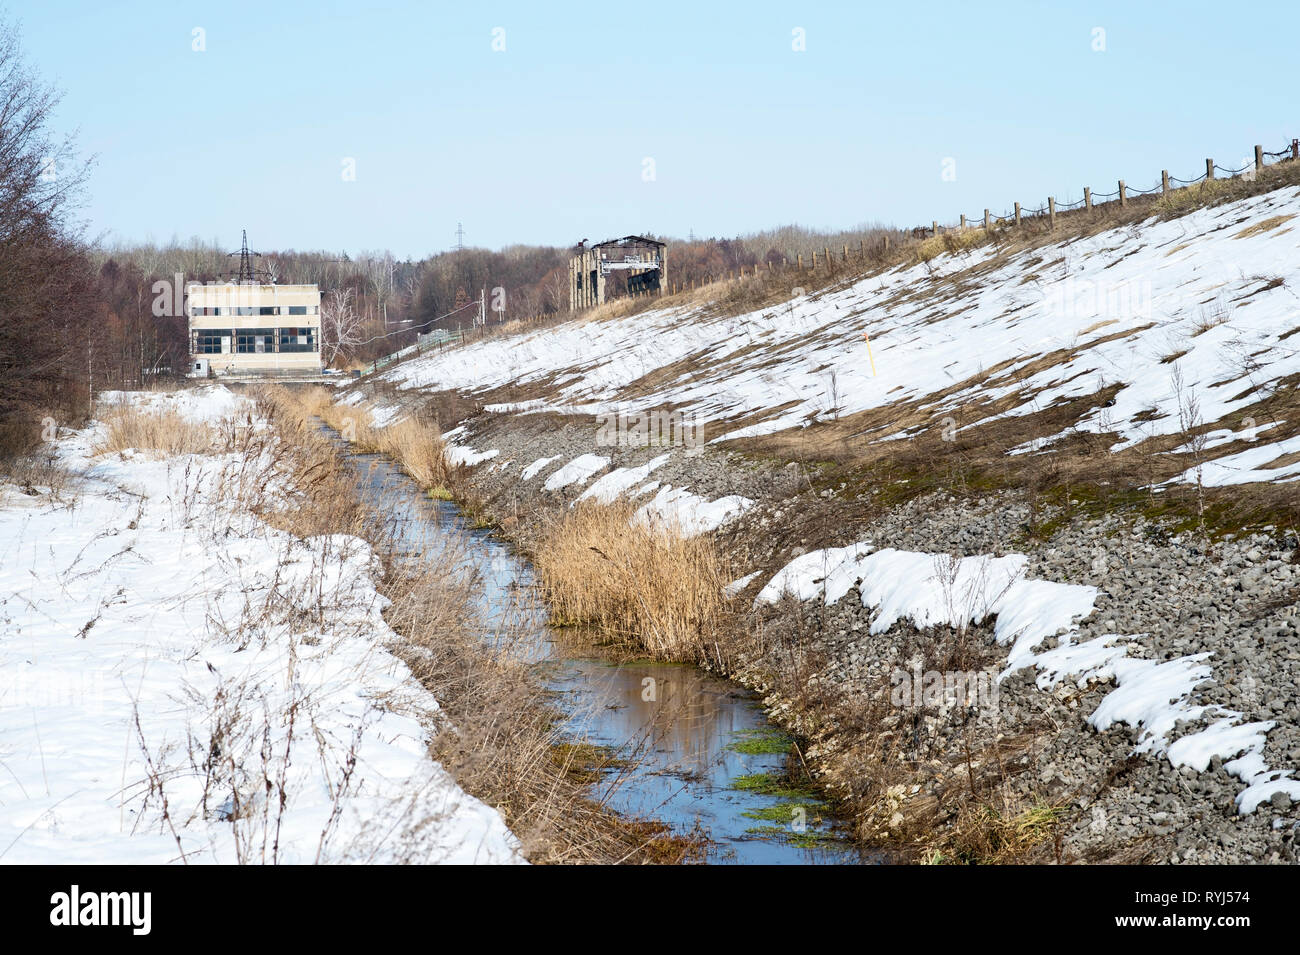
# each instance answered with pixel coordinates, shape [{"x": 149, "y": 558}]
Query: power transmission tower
[
  {"x": 460, "y": 237},
  {"x": 247, "y": 272}
]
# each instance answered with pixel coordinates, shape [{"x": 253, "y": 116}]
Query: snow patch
[
  {"x": 459, "y": 454},
  {"x": 533, "y": 469},
  {"x": 577, "y": 471},
  {"x": 686, "y": 513},
  {"x": 1152, "y": 696},
  {"x": 607, "y": 488}
]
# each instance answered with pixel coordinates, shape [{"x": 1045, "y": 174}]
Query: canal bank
[{"x": 668, "y": 744}]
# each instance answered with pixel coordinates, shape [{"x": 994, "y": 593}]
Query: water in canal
[{"x": 700, "y": 755}]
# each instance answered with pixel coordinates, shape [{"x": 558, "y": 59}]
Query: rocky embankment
[{"x": 1224, "y": 612}]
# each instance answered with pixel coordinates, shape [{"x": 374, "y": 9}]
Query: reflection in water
[{"x": 677, "y": 726}]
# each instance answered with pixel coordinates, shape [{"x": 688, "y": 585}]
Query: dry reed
[
  {"x": 166, "y": 431},
  {"x": 652, "y": 585}
]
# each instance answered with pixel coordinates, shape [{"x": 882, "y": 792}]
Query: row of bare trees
[
  {"x": 44, "y": 280},
  {"x": 71, "y": 322},
  {"x": 76, "y": 319}
]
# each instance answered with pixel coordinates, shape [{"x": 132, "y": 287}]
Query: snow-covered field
[
  {"x": 1191, "y": 311},
  {"x": 181, "y": 681}
]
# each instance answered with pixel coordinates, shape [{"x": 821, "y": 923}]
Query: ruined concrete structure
[{"x": 645, "y": 260}]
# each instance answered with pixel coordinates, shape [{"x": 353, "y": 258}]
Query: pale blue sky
[{"x": 546, "y": 141}]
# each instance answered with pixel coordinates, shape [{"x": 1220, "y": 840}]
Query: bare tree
[
  {"x": 557, "y": 290},
  {"x": 1190, "y": 423},
  {"x": 39, "y": 174},
  {"x": 340, "y": 324},
  {"x": 45, "y": 281}
]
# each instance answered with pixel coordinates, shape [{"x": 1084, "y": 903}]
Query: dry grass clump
[
  {"x": 501, "y": 742},
  {"x": 414, "y": 443},
  {"x": 311, "y": 401},
  {"x": 986, "y": 835},
  {"x": 950, "y": 243},
  {"x": 653, "y": 585},
  {"x": 322, "y": 497},
  {"x": 1193, "y": 197},
  {"x": 418, "y": 446},
  {"x": 165, "y": 431},
  {"x": 37, "y": 473},
  {"x": 1264, "y": 225}
]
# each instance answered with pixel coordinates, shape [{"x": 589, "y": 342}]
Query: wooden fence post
[
  {"x": 1164, "y": 182},
  {"x": 814, "y": 260},
  {"x": 800, "y": 261},
  {"x": 862, "y": 249},
  {"x": 1123, "y": 195},
  {"x": 886, "y": 243},
  {"x": 1295, "y": 149},
  {"x": 1017, "y": 215},
  {"x": 962, "y": 227},
  {"x": 1051, "y": 213},
  {"x": 1087, "y": 198},
  {"x": 1259, "y": 158},
  {"x": 1209, "y": 169},
  {"x": 934, "y": 227},
  {"x": 827, "y": 256},
  {"x": 988, "y": 221}
]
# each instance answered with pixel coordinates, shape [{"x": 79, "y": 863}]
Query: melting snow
[
  {"x": 616, "y": 482},
  {"x": 1150, "y": 695},
  {"x": 690, "y": 514},
  {"x": 533, "y": 469},
  {"x": 577, "y": 471}
]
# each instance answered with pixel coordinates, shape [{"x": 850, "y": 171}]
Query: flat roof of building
[{"x": 221, "y": 286}]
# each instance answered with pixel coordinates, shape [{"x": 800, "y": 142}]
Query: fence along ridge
[{"x": 1090, "y": 200}]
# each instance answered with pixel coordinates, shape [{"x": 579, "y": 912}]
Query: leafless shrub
[{"x": 1193, "y": 429}]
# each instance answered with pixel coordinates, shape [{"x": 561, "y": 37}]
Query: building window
[
  {"x": 297, "y": 309},
  {"x": 250, "y": 341},
  {"x": 269, "y": 310},
  {"x": 298, "y": 339},
  {"x": 207, "y": 341}
]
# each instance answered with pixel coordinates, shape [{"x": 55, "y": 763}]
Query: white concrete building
[{"x": 249, "y": 328}]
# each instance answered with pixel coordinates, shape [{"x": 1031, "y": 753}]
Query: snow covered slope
[{"x": 1198, "y": 307}]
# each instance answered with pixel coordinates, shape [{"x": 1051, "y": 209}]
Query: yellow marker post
[{"x": 867, "y": 338}]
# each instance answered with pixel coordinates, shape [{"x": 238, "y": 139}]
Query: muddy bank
[{"x": 1029, "y": 779}]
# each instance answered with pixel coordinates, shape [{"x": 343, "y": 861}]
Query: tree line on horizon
[{"x": 77, "y": 318}]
